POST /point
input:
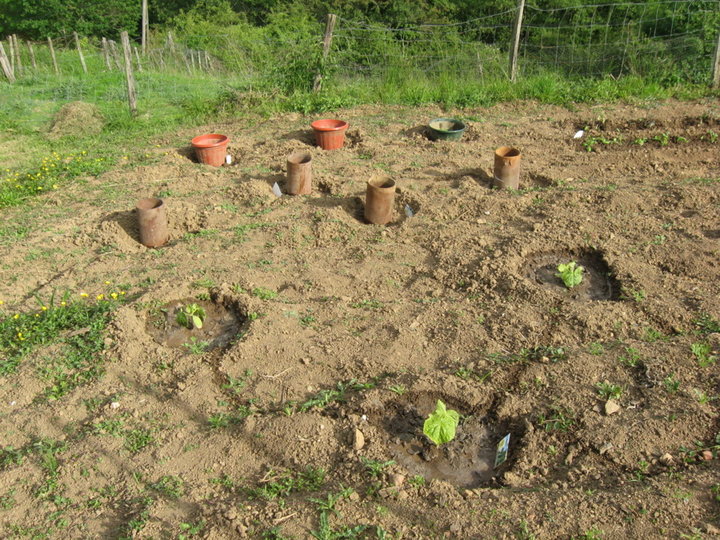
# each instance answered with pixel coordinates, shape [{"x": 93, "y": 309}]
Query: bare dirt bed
[{"x": 345, "y": 334}]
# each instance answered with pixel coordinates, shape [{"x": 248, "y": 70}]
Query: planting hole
[
  {"x": 467, "y": 461},
  {"x": 597, "y": 282},
  {"x": 220, "y": 325}
]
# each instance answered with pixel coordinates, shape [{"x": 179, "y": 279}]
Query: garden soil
[{"x": 345, "y": 334}]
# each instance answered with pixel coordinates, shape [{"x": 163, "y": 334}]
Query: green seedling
[
  {"x": 703, "y": 354},
  {"x": 440, "y": 426},
  {"x": 609, "y": 391},
  {"x": 570, "y": 273},
  {"x": 191, "y": 316}
]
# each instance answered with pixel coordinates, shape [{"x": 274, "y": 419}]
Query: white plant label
[
  {"x": 579, "y": 134},
  {"x": 228, "y": 159},
  {"x": 409, "y": 211},
  {"x": 276, "y": 190},
  {"x": 502, "y": 450}
]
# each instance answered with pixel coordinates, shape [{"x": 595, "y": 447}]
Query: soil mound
[{"x": 75, "y": 119}]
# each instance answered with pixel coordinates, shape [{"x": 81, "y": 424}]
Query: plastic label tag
[{"x": 502, "y": 450}]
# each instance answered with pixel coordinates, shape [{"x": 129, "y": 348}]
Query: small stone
[
  {"x": 707, "y": 455},
  {"x": 231, "y": 514},
  {"x": 305, "y": 361},
  {"x": 358, "y": 440},
  {"x": 605, "y": 448},
  {"x": 397, "y": 480},
  {"x": 114, "y": 405},
  {"x": 611, "y": 407},
  {"x": 666, "y": 459},
  {"x": 354, "y": 497}
]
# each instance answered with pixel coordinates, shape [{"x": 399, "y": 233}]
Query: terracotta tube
[
  {"x": 507, "y": 168},
  {"x": 379, "y": 200},
  {"x": 153, "y": 222},
  {"x": 299, "y": 173}
]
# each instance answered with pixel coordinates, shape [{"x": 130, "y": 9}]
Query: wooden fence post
[
  {"x": 716, "y": 65},
  {"x": 515, "y": 47},
  {"x": 327, "y": 42},
  {"x": 32, "y": 55},
  {"x": 106, "y": 54},
  {"x": 145, "y": 26},
  {"x": 52, "y": 54},
  {"x": 11, "y": 48},
  {"x": 130, "y": 79},
  {"x": 82, "y": 58},
  {"x": 5, "y": 64},
  {"x": 115, "y": 53},
  {"x": 17, "y": 54},
  {"x": 137, "y": 57}
]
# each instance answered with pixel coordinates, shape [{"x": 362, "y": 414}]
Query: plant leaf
[
  {"x": 570, "y": 273},
  {"x": 440, "y": 425},
  {"x": 197, "y": 321}
]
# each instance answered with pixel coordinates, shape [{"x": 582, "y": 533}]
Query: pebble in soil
[
  {"x": 598, "y": 282},
  {"x": 466, "y": 462},
  {"x": 220, "y": 327}
]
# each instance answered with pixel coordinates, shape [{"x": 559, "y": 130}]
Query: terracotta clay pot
[
  {"x": 152, "y": 222},
  {"x": 379, "y": 200},
  {"x": 507, "y": 168},
  {"x": 330, "y": 134},
  {"x": 299, "y": 173},
  {"x": 211, "y": 148}
]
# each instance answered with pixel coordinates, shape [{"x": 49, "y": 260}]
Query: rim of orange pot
[
  {"x": 329, "y": 124},
  {"x": 209, "y": 140}
]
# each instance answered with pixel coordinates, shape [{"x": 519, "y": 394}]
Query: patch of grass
[
  {"x": 557, "y": 419},
  {"x": 337, "y": 394},
  {"x": 367, "y": 304},
  {"x": 195, "y": 346},
  {"x": 264, "y": 294},
  {"x": 607, "y": 390},
  {"x": 77, "y": 327},
  {"x": 703, "y": 354},
  {"x": 279, "y": 484},
  {"x": 170, "y": 486},
  {"x": 706, "y": 324},
  {"x": 52, "y": 171},
  {"x": 374, "y": 467}
]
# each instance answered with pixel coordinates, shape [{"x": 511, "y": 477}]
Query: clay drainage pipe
[
  {"x": 379, "y": 200},
  {"x": 299, "y": 173},
  {"x": 152, "y": 222},
  {"x": 507, "y": 168}
]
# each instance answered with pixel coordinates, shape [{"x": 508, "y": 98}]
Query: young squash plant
[
  {"x": 440, "y": 426},
  {"x": 570, "y": 273},
  {"x": 191, "y": 316}
]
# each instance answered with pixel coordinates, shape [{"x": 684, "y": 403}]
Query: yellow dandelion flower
[
  {"x": 114, "y": 295},
  {"x": 84, "y": 294},
  {"x": 100, "y": 296},
  {"x": 122, "y": 293},
  {"x": 63, "y": 303},
  {"x": 107, "y": 283},
  {"x": 2, "y": 302},
  {"x": 16, "y": 316},
  {"x": 44, "y": 308}
]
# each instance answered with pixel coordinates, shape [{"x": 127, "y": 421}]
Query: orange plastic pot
[
  {"x": 211, "y": 148},
  {"x": 330, "y": 134}
]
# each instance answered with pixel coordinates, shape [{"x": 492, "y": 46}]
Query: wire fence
[{"x": 665, "y": 40}]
